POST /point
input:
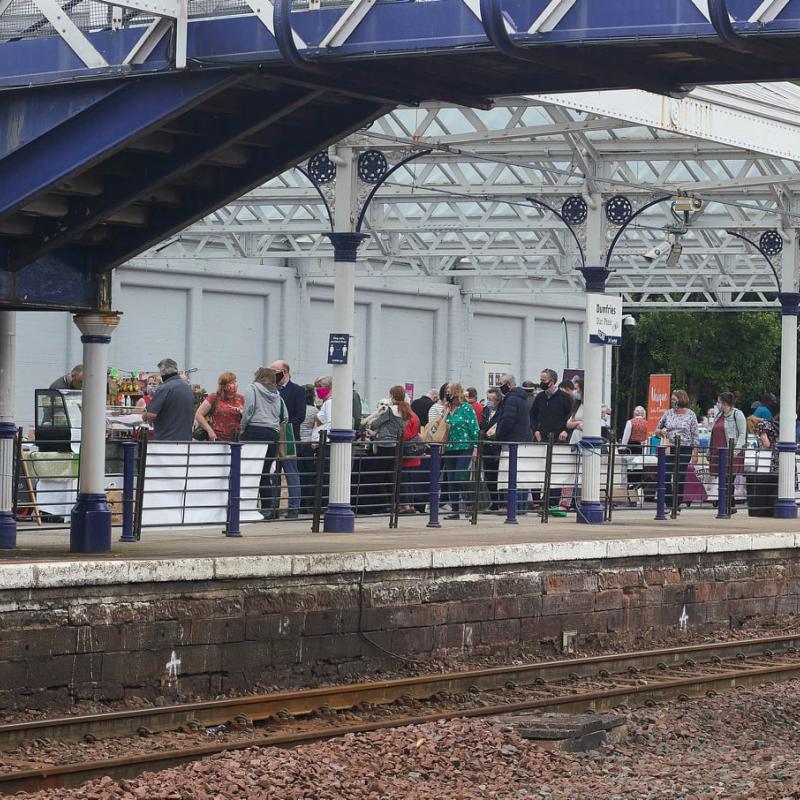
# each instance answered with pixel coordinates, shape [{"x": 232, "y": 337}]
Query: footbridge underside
[{"x": 120, "y": 125}]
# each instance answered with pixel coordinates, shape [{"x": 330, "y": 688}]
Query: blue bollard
[
  {"x": 722, "y": 500},
  {"x": 234, "y": 490},
  {"x": 129, "y": 447},
  {"x": 511, "y": 494},
  {"x": 661, "y": 488},
  {"x": 436, "y": 479}
]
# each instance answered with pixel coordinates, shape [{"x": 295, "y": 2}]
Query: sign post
[{"x": 604, "y": 318}]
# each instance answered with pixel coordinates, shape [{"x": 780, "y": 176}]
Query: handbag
[
  {"x": 436, "y": 432},
  {"x": 200, "y": 434},
  {"x": 286, "y": 442},
  {"x": 414, "y": 447}
]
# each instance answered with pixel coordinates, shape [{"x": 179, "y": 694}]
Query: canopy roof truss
[{"x": 461, "y": 212}]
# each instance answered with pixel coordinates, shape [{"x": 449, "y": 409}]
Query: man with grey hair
[
  {"x": 171, "y": 410},
  {"x": 514, "y": 423},
  {"x": 72, "y": 380}
]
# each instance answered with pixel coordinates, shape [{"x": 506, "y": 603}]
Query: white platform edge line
[{"x": 61, "y": 574}]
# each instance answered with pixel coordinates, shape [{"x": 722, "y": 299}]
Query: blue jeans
[
  {"x": 456, "y": 476},
  {"x": 290, "y": 470}
]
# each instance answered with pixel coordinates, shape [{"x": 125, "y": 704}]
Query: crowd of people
[{"x": 290, "y": 418}]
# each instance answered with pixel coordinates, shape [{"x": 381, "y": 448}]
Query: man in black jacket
[
  {"x": 422, "y": 405},
  {"x": 551, "y": 408},
  {"x": 514, "y": 424},
  {"x": 294, "y": 397}
]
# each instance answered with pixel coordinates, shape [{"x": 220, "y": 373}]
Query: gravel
[{"x": 739, "y": 745}]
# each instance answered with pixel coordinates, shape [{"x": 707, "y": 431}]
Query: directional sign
[{"x": 338, "y": 345}]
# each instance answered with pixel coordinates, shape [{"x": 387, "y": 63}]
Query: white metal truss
[{"x": 461, "y": 212}]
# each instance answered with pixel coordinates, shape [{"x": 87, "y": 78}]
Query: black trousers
[{"x": 260, "y": 433}]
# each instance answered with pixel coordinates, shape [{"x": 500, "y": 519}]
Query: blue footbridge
[{"x": 122, "y": 124}]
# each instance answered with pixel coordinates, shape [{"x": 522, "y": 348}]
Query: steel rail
[
  {"x": 70, "y": 775},
  {"x": 421, "y": 687}
]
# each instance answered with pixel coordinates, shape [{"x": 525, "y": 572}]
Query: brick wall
[{"x": 59, "y": 645}]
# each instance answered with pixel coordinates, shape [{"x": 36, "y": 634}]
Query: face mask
[
  {"x": 77, "y": 383},
  {"x": 505, "y": 389},
  {"x": 490, "y": 404},
  {"x": 674, "y": 404},
  {"x": 448, "y": 398},
  {"x": 576, "y": 394},
  {"x": 151, "y": 389},
  {"x": 544, "y": 385},
  {"x": 278, "y": 377},
  {"x": 323, "y": 392}
]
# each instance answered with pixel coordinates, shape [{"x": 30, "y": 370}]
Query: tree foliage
[{"x": 705, "y": 353}]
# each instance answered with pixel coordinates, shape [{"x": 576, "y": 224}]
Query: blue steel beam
[
  {"x": 158, "y": 169},
  {"x": 407, "y": 30},
  {"x": 123, "y": 112}
]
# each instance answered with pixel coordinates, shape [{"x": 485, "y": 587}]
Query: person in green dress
[{"x": 462, "y": 436}]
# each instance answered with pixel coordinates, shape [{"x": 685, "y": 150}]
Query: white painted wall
[{"x": 227, "y": 315}]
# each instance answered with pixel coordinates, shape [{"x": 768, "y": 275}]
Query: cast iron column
[
  {"x": 8, "y": 332},
  {"x": 90, "y": 523},
  {"x": 591, "y": 509},
  {"x": 786, "y": 506}
]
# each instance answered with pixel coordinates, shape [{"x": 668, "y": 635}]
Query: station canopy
[{"x": 462, "y": 212}]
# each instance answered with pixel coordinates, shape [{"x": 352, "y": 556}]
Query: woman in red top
[
  {"x": 408, "y": 488},
  {"x": 220, "y": 414}
]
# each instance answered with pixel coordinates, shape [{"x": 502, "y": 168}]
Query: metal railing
[{"x": 233, "y": 484}]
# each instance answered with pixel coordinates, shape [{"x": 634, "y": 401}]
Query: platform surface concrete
[{"x": 42, "y": 558}]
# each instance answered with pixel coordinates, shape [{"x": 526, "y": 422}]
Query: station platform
[{"x": 281, "y": 606}]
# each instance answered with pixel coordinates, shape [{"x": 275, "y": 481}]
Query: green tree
[{"x": 705, "y": 353}]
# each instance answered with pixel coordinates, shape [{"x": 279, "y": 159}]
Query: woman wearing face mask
[
  {"x": 679, "y": 422},
  {"x": 635, "y": 434},
  {"x": 153, "y": 382},
  {"x": 322, "y": 387},
  {"x": 461, "y": 438},
  {"x": 491, "y": 450},
  {"x": 729, "y": 423},
  {"x": 220, "y": 414}
]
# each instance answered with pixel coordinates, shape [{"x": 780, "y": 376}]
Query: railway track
[{"x": 600, "y": 683}]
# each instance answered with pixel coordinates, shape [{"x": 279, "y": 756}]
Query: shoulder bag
[
  {"x": 286, "y": 445},
  {"x": 436, "y": 432},
  {"x": 200, "y": 434}
]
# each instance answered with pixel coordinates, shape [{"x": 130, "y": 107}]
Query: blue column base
[
  {"x": 590, "y": 512},
  {"x": 339, "y": 518},
  {"x": 786, "y": 508},
  {"x": 90, "y": 525},
  {"x": 8, "y": 531}
]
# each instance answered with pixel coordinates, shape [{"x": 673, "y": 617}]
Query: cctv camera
[
  {"x": 654, "y": 253},
  {"x": 628, "y": 321}
]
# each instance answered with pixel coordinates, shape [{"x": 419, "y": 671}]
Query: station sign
[{"x": 604, "y": 318}]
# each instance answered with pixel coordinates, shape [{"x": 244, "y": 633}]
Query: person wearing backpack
[{"x": 385, "y": 430}]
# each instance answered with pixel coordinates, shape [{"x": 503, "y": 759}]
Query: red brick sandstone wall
[{"x": 59, "y": 645}]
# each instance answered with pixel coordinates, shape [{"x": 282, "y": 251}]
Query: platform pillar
[
  {"x": 339, "y": 516},
  {"x": 90, "y": 521},
  {"x": 591, "y": 509},
  {"x": 8, "y": 388},
  {"x": 786, "y": 506}
]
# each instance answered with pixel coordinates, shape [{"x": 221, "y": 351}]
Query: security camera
[
  {"x": 687, "y": 204},
  {"x": 674, "y": 253},
  {"x": 654, "y": 253},
  {"x": 629, "y": 321}
]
